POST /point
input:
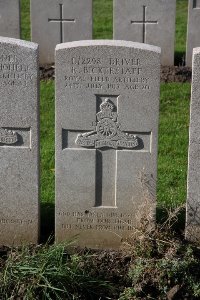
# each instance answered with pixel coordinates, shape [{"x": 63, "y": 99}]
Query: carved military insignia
[
  {"x": 8, "y": 137},
  {"x": 108, "y": 132}
]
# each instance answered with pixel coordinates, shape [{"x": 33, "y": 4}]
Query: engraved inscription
[
  {"x": 62, "y": 21},
  {"x": 13, "y": 72},
  {"x": 8, "y": 137},
  {"x": 144, "y": 23},
  {"x": 15, "y": 221},
  {"x": 196, "y": 4},
  {"x": 106, "y": 73},
  {"x": 15, "y": 137},
  {"x": 108, "y": 132},
  {"x": 107, "y": 221}
]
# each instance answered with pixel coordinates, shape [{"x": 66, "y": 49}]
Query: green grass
[
  {"x": 47, "y": 125},
  {"x": 181, "y": 30},
  {"x": 103, "y": 19},
  {"x": 173, "y": 143},
  {"x": 25, "y": 20},
  {"x": 48, "y": 273}
]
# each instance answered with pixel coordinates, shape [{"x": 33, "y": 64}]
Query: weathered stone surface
[
  {"x": 107, "y": 101},
  {"x": 19, "y": 148},
  {"x": 147, "y": 21},
  {"x": 10, "y": 18},
  {"x": 193, "y": 35},
  {"x": 54, "y": 22},
  {"x": 193, "y": 185}
]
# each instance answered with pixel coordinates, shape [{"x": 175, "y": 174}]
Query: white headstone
[
  {"x": 193, "y": 185},
  {"x": 10, "y": 18},
  {"x": 193, "y": 34},
  {"x": 107, "y": 102},
  {"x": 54, "y": 22},
  {"x": 147, "y": 21},
  {"x": 19, "y": 145}
]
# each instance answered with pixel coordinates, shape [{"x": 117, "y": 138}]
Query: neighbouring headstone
[
  {"x": 19, "y": 145},
  {"x": 193, "y": 184},
  {"x": 107, "y": 102},
  {"x": 147, "y": 21},
  {"x": 193, "y": 34},
  {"x": 54, "y": 22},
  {"x": 10, "y": 18}
]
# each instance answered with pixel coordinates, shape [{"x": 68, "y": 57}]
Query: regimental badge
[
  {"x": 8, "y": 137},
  {"x": 108, "y": 132}
]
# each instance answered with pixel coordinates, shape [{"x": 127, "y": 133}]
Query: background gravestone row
[{"x": 145, "y": 21}]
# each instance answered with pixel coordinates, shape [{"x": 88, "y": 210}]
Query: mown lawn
[{"x": 173, "y": 143}]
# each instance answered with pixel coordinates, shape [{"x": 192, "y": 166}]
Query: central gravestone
[{"x": 107, "y": 101}]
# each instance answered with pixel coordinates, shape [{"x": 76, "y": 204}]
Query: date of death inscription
[
  {"x": 97, "y": 221},
  {"x": 108, "y": 73}
]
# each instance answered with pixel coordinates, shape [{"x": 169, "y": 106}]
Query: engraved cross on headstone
[
  {"x": 107, "y": 139},
  {"x": 144, "y": 23},
  {"x": 196, "y": 4},
  {"x": 61, "y": 20}
]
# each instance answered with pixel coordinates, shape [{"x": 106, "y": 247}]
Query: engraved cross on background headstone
[
  {"x": 61, "y": 20},
  {"x": 196, "y": 4},
  {"x": 107, "y": 139},
  {"x": 144, "y": 23}
]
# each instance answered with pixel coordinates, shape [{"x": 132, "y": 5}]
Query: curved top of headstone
[
  {"x": 114, "y": 43},
  {"x": 196, "y": 50},
  {"x": 17, "y": 42}
]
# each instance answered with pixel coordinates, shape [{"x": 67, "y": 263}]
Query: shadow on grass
[
  {"x": 175, "y": 219},
  {"x": 179, "y": 58},
  {"x": 47, "y": 225}
]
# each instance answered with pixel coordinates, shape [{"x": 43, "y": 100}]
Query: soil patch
[{"x": 175, "y": 74}]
